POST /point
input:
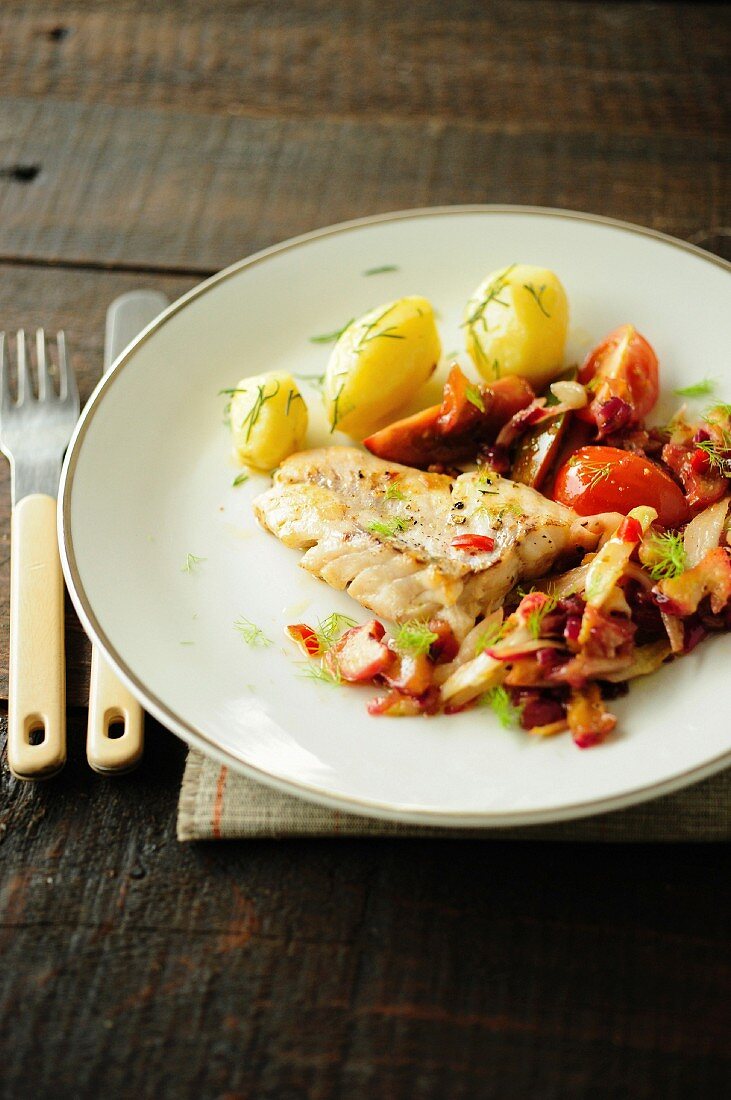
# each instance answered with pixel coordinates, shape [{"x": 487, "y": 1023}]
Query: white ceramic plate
[{"x": 148, "y": 478}]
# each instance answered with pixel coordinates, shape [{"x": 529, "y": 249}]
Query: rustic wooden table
[{"x": 148, "y": 145}]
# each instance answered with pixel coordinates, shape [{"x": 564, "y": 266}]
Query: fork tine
[
  {"x": 69, "y": 390},
  {"x": 24, "y": 382},
  {"x": 5, "y": 398},
  {"x": 45, "y": 382}
]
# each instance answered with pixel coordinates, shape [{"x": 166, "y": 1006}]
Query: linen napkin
[{"x": 218, "y": 804}]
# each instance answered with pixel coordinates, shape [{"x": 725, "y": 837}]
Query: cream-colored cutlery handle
[
  {"x": 37, "y": 695},
  {"x": 112, "y": 706}
]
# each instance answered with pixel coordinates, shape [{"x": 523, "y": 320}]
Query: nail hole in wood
[
  {"x": 20, "y": 173},
  {"x": 115, "y": 731},
  {"x": 57, "y": 34}
]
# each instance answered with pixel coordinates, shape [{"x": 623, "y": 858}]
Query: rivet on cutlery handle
[
  {"x": 37, "y": 697},
  {"x": 115, "y": 734}
]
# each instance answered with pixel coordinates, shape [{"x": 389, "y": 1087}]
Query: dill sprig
[
  {"x": 485, "y": 482},
  {"x": 292, "y": 396},
  {"x": 336, "y": 408},
  {"x": 489, "y": 637},
  {"x": 535, "y": 619},
  {"x": 492, "y": 294},
  {"x": 240, "y": 479},
  {"x": 699, "y": 389},
  {"x": 414, "y": 638},
  {"x": 669, "y": 554},
  {"x": 331, "y": 337},
  {"x": 498, "y": 514},
  {"x": 321, "y": 674},
  {"x": 190, "y": 563},
  {"x": 250, "y": 633},
  {"x": 384, "y": 269},
  {"x": 394, "y": 493},
  {"x": 718, "y": 454},
  {"x": 537, "y": 296},
  {"x": 474, "y": 397},
  {"x": 388, "y": 528},
  {"x": 719, "y": 407},
  {"x": 506, "y": 712},
  {"x": 259, "y": 402},
  {"x": 367, "y": 333},
  {"x": 329, "y": 629},
  {"x": 718, "y": 449},
  {"x": 599, "y": 472}
]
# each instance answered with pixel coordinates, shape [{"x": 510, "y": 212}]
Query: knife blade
[{"x": 115, "y": 731}]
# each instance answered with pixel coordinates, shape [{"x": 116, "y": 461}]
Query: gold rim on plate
[{"x": 197, "y": 738}]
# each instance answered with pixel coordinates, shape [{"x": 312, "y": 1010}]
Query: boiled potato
[
  {"x": 378, "y": 363},
  {"x": 516, "y": 323},
  {"x": 268, "y": 419}
]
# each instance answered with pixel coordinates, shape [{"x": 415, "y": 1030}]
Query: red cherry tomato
[
  {"x": 624, "y": 366},
  {"x": 606, "y": 479}
]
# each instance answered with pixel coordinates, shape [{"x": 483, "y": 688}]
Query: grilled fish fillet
[{"x": 384, "y": 532}]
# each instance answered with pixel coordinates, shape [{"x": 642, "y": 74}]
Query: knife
[{"x": 115, "y": 734}]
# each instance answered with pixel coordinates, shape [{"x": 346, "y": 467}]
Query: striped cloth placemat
[{"x": 218, "y": 804}]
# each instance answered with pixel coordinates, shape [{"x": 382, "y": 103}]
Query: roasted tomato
[
  {"x": 470, "y": 414},
  {"x": 606, "y": 479},
  {"x": 622, "y": 375}
]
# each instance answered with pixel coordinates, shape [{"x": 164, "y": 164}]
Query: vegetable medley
[{"x": 660, "y": 581}]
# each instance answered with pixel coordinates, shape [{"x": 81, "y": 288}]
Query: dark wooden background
[{"x": 148, "y": 144}]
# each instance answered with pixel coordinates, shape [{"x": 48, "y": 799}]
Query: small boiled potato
[
  {"x": 379, "y": 361},
  {"x": 516, "y": 323},
  {"x": 268, "y": 419}
]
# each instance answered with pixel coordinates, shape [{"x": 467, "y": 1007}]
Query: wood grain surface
[
  {"x": 148, "y": 145},
  {"x": 136, "y": 967}
]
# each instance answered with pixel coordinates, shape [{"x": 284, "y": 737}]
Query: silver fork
[{"x": 34, "y": 433}]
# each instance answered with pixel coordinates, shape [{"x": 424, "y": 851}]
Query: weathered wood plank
[
  {"x": 152, "y": 187},
  {"x": 75, "y": 301},
  {"x": 511, "y": 65},
  {"x": 138, "y": 967}
]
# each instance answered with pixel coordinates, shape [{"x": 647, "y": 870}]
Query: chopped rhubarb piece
[
  {"x": 549, "y": 657},
  {"x": 473, "y": 544},
  {"x": 589, "y": 722},
  {"x": 446, "y": 646},
  {"x": 410, "y": 673},
  {"x": 693, "y": 633},
  {"x": 703, "y": 486},
  {"x": 525, "y": 672},
  {"x": 700, "y": 461},
  {"x": 394, "y": 704},
  {"x": 551, "y": 729},
  {"x": 572, "y": 628},
  {"x": 711, "y": 577},
  {"x": 630, "y": 530},
  {"x": 306, "y": 638},
  {"x": 606, "y": 636},
  {"x": 540, "y": 710},
  {"x": 360, "y": 654}
]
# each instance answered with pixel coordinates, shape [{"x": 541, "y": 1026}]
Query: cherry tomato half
[
  {"x": 606, "y": 479},
  {"x": 624, "y": 366}
]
